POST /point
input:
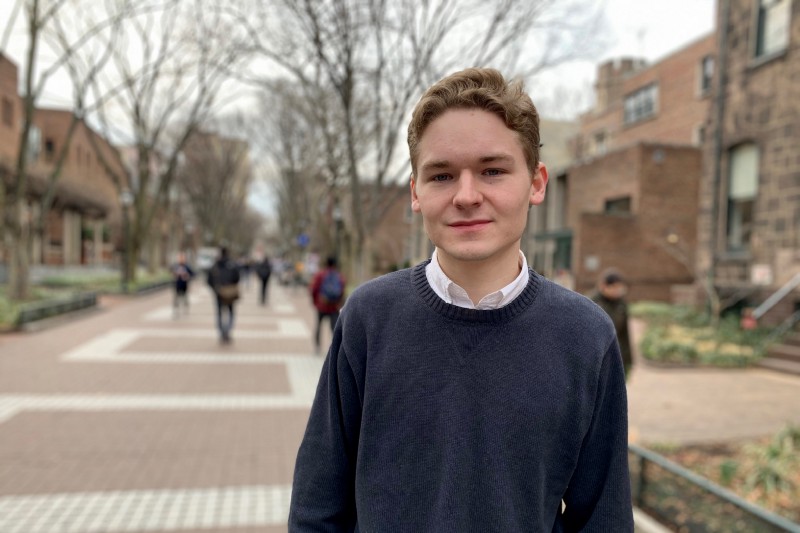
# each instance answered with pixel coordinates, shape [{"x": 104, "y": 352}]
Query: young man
[
  {"x": 223, "y": 278},
  {"x": 468, "y": 393},
  {"x": 327, "y": 295},
  {"x": 610, "y": 295}
]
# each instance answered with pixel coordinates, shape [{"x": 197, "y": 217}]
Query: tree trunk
[{"x": 18, "y": 250}]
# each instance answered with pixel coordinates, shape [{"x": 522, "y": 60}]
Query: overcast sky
[{"x": 649, "y": 29}]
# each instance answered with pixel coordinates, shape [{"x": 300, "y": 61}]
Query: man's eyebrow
[
  {"x": 439, "y": 164},
  {"x": 493, "y": 158}
]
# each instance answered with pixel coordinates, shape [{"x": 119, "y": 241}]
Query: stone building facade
[{"x": 749, "y": 233}]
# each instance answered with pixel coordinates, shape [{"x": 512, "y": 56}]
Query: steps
[{"x": 784, "y": 357}]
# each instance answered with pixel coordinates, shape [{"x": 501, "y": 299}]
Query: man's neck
[{"x": 480, "y": 278}]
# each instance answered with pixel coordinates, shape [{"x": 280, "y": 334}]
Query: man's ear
[
  {"x": 414, "y": 199},
  {"x": 538, "y": 184}
]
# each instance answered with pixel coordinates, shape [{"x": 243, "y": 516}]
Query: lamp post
[{"x": 125, "y": 200}]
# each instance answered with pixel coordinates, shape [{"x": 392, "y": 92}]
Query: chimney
[{"x": 610, "y": 75}]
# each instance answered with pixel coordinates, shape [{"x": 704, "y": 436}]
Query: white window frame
[
  {"x": 701, "y": 75},
  {"x": 743, "y": 177},
  {"x": 773, "y": 27},
  {"x": 641, "y": 104}
]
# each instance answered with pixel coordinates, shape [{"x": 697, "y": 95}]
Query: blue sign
[{"x": 302, "y": 240}]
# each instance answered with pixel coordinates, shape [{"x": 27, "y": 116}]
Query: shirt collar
[{"x": 453, "y": 294}]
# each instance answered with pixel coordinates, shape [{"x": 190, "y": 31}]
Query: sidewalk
[
  {"x": 131, "y": 420},
  {"x": 683, "y": 406}
]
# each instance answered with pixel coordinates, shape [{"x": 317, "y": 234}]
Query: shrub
[{"x": 657, "y": 346}]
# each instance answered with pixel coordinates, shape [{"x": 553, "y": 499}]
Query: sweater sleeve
[
  {"x": 323, "y": 493},
  {"x": 599, "y": 497}
]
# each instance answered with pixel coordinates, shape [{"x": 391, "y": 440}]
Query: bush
[
  {"x": 657, "y": 346},
  {"x": 681, "y": 335}
]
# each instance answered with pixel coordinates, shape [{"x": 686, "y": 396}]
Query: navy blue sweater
[{"x": 431, "y": 417}]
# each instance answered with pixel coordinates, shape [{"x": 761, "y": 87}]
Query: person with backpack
[
  {"x": 327, "y": 293},
  {"x": 223, "y": 278}
]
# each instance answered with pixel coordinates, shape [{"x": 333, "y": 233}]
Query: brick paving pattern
[
  {"x": 130, "y": 420},
  {"x": 134, "y": 420}
]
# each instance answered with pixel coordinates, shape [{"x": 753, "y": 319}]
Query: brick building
[
  {"x": 667, "y": 101},
  {"x": 750, "y": 236},
  {"x": 632, "y": 193},
  {"x": 10, "y": 113},
  {"x": 85, "y": 207},
  {"x": 636, "y": 209},
  {"x": 85, "y": 212}
]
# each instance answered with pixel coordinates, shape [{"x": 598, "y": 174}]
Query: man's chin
[{"x": 465, "y": 254}]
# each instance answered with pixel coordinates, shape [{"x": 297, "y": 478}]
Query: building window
[
  {"x": 742, "y": 191},
  {"x": 641, "y": 104},
  {"x": 599, "y": 140},
  {"x": 706, "y": 74},
  {"x": 772, "y": 31},
  {"x": 700, "y": 134},
  {"x": 618, "y": 206},
  {"x": 8, "y": 112}
]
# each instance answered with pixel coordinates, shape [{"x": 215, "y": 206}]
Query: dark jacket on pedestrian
[
  {"x": 264, "y": 268},
  {"x": 224, "y": 272},
  {"x": 182, "y": 273},
  {"x": 618, "y": 311}
]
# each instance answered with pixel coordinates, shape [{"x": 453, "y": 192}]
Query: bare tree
[
  {"x": 382, "y": 54},
  {"x": 47, "y": 35},
  {"x": 171, "y": 88},
  {"x": 215, "y": 177}
]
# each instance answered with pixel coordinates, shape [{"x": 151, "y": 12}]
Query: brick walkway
[
  {"x": 131, "y": 420},
  {"x": 680, "y": 406}
]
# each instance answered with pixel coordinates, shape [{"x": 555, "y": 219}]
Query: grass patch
[
  {"x": 763, "y": 471},
  {"x": 64, "y": 286},
  {"x": 681, "y": 335}
]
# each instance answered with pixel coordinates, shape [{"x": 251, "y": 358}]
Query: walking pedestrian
[
  {"x": 182, "y": 273},
  {"x": 223, "y": 278},
  {"x": 468, "y": 393},
  {"x": 264, "y": 271},
  {"x": 610, "y": 295},
  {"x": 327, "y": 294}
]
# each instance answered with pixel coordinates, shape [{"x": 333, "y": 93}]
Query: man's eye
[
  {"x": 440, "y": 177},
  {"x": 493, "y": 172}
]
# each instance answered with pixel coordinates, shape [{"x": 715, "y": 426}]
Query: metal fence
[{"x": 688, "y": 503}]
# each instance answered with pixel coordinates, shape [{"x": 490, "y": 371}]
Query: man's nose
[{"x": 468, "y": 190}]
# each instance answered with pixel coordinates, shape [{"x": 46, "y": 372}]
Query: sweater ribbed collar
[{"x": 420, "y": 282}]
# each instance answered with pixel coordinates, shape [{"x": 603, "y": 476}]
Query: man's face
[
  {"x": 473, "y": 187},
  {"x": 614, "y": 291}
]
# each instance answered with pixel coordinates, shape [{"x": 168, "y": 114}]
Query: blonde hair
[{"x": 481, "y": 88}]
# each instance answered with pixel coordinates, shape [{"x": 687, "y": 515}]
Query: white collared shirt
[{"x": 450, "y": 292}]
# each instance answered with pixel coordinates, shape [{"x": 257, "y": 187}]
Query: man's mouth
[{"x": 468, "y": 223}]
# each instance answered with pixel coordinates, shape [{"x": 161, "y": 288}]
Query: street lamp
[{"x": 125, "y": 200}]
